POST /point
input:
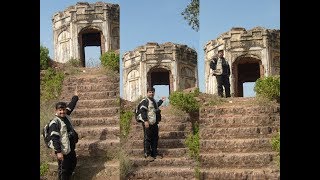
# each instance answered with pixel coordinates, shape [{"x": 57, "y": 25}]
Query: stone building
[
  {"x": 84, "y": 25},
  {"x": 251, "y": 54},
  {"x": 158, "y": 64}
]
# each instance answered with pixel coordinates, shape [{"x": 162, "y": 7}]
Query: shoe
[{"x": 150, "y": 158}]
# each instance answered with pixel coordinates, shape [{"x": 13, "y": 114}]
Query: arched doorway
[
  {"x": 90, "y": 37},
  {"x": 245, "y": 69},
  {"x": 160, "y": 76}
]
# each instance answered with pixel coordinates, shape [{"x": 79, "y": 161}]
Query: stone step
[
  {"x": 162, "y": 143},
  {"x": 99, "y": 132},
  {"x": 96, "y": 112},
  {"x": 241, "y": 120},
  {"x": 97, "y": 103},
  {"x": 86, "y": 87},
  {"x": 164, "y": 162},
  {"x": 168, "y": 173},
  {"x": 97, "y": 147},
  {"x": 235, "y": 145},
  {"x": 94, "y": 79},
  {"x": 237, "y": 160},
  {"x": 164, "y": 126},
  {"x": 91, "y": 169},
  {"x": 95, "y": 95},
  {"x": 239, "y": 174},
  {"x": 207, "y": 132},
  {"x": 92, "y": 121},
  {"x": 177, "y": 152},
  {"x": 237, "y": 110},
  {"x": 162, "y": 135},
  {"x": 95, "y": 169}
]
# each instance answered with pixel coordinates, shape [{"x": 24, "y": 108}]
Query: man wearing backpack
[
  {"x": 150, "y": 116},
  {"x": 64, "y": 139}
]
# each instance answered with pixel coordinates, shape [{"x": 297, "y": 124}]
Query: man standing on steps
[
  {"x": 64, "y": 138},
  {"x": 150, "y": 117},
  {"x": 221, "y": 70}
]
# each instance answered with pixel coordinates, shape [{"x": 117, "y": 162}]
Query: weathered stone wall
[
  {"x": 67, "y": 25},
  {"x": 179, "y": 60},
  {"x": 239, "y": 44}
]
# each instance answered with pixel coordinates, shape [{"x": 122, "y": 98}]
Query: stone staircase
[
  {"x": 96, "y": 119},
  {"x": 175, "y": 164},
  {"x": 235, "y": 140}
]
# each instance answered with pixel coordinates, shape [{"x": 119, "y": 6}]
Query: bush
[
  {"x": 125, "y": 121},
  {"x": 44, "y": 167},
  {"x": 268, "y": 87},
  {"x": 275, "y": 142},
  {"x": 192, "y": 142},
  {"x": 110, "y": 60},
  {"x": 51, "y": 84},
  {"x": 44, "y": 58},
  {"x": 184, "y": 101}
]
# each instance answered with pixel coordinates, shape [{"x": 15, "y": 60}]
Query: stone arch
[
  {"x": 246, "y": 68},
  {"x": 160, "y": 75},
  {"x": 90, "y": 36}
]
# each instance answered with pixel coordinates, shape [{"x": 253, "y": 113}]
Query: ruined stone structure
[
  {"x": 251, "y": 54},
  {"x": 85, "y": 25},
  {"x": 158, "y": 64}
]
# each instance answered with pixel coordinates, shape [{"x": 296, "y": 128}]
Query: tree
[
  {"x": 191, "y": 14},
  {"x": 44, "y": 58}
]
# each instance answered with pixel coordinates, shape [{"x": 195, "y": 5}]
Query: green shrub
[
  {"x": 110, "y": 60},
  {"x": 44, "y": 167},
  {"x": 184, "y": 101},
  {"x": 44, "y": 58},
  {"x": 275, "y": 142},
  {"x": 192, "y": 142},
  {"x": 51, "y": 84},
  {"x": 74, "y": 62},
  {"x": 125, "y": 121},
  {"x": 268, "y": 87}
]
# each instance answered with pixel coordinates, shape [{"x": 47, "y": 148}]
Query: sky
[{"x": 160, "y": 21}]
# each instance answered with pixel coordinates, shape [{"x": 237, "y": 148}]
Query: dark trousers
[
  {"x": 67, "y": 166},
  {"x": 150, "y": 142},
  {"x": 223, "y": 80}
]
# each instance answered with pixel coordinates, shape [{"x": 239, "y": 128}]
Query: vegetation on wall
[
  {"x": 275, "y": 142},
  {"x": 44, "y": 58},
  {"x": 125, "y": 121},
  {"x": 51, "y": 84},
  {"x": 185, "y": 101},
  {"x": 110, "y": 60},
  {"x": 268, "y": 87}
]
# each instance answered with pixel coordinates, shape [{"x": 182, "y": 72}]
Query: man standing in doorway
[{"x": 221, "y": 70}]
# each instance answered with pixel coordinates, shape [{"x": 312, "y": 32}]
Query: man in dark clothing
[
  {"x": 64, "y": 139},
  {"x": 221, "y": 70},
  {"x": 150, "y": 118}
]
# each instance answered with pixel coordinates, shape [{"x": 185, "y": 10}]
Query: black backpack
[{"x": 45, "y": 132}]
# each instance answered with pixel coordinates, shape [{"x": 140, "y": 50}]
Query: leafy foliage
[
  {"x": 44, "y": 58},
  {"x": 191, "y": 14},
  {"x": 125, "y": 121},
  {"x": 275, "y": 142},
  {"x": 51, "y": 84},
  {"x": 192, "y": 142},
  {"x": 184, "y": 101},
  {"x": 268, "y": 87},
  {"x": 110, "y": 60},
  {"x": 44, "y": 167}
]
